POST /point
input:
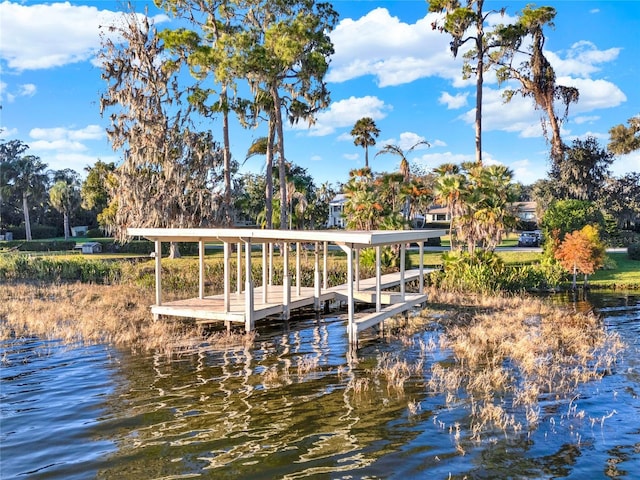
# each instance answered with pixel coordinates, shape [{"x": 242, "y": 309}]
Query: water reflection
[{"x": 298, "y": 404}]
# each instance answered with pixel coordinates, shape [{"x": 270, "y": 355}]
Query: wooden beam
[
  {"x": 265, "y": 283},
  {"x": 403, "y": 253},
  {"x": 158, "y": 272},
  {"x": 286, "y": 283},
  {"x": 248, "y": 289},
  {"x": 316, "y": 277},
  {"x": 227, "y": 276},
  {"x": 201, "y": 268},
  {"x": 298, "y": 280},
  {"x": 325, "y": 273},
  {"x": 378, "y": 277},
  {"x": 239, "y": 269}
]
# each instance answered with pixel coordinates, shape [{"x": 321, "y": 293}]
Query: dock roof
[{"x": 353, "y": 238}]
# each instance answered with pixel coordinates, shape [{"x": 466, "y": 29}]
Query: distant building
[
  {"x": 80, "y": 231},
  {"x": 336, "y": 211},
  {"x": 91, "y": 247},
  {"x": 526, "y": 211},
  {"x": 437, "y": 214}
]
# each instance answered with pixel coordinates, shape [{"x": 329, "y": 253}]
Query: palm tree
[
  {"x": 364, "y": 134},
  {"x": 29, "y": 179},
  {"x": 65, "y": 198},
  {"x": 404, "y": 168},
  {"x": 449, "y": 191},
  {"x": 294, "y": 194}
]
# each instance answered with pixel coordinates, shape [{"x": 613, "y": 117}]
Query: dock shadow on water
[{"x": 297, "y": 403}]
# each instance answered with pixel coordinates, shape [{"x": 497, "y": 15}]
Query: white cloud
[
  {"x": 624, "y": 164},
  {"x": 345, "y": 113},
  {"x": 453, "y": 101},
  {"x": 520, "y": 115},
  {"x": 75, "y": 161},
  {"x": 27, "y": 90},
  {"x": 594, "y": 94},
  {"x": 45, "y": 36},
  {"x": 433, "y": 160},
  {"x": 24, "y": 90},
  {"x": 586, "y": 119},
  {"x": 394, "y": 52},
  {"x": 351, "y": 156},
  {"x": 63, "y": 147},
  {"x": 7, "y": 133},
  {"x": 406, "y": 141},
  {"x": 438, "y": 143},
  {"x": 582, "y": 59},
  {"x": 90, "y": 132}
]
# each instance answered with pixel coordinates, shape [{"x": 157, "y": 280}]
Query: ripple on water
[
  {"x": 51, "y": 397},
  {"x": 289, "y": 407}
]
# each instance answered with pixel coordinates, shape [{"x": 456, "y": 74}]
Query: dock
[{"x": 245, "y": 306}]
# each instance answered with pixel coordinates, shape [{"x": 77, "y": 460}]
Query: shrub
[
  {"x": 54, "y": 269},
  {"x": 47, "y": 246},
  {"x": 94, "y": 233},
  {"x": 633, "y": 251},
  {"x": 37, "y": 232}
]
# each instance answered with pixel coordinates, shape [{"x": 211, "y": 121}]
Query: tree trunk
[
  {"x": 65, "y": 217},
  {"x": 575, "y": 274},
  {"x": 228, "y": 217},
  {"x": 277, "y": 110},
  {"x": 557, "y": 148},
  {"x": 174, "y": 250},
  {"x": 27, "y": 221},
  {"x": 479, "y": 82},
  {"x": 366, "y": 155},
  {"x": 269, "y": 176}
]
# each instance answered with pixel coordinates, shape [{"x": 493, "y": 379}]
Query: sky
[{"x": 389, "y": 64}]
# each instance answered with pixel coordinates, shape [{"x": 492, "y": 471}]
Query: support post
[
  {"x": 201, "y": 269},
  {"x": 158, "y": 272},
  {"x": 351, "y": 324},
  {"x": 227, "y": 276},
  {"x": 271, "y": 245},
  {"x": 248, "y": 289},
  {"x": 298, "y": 280},
  {"x": 421, "y": 283},
  {"x": 316, "y": 277},
  {"x": 239, "y": 269},
  {"x": 378, "y": 279},
  {"x": 403, "y": 251},
  {"x": 265, "y": 286},
  {"x": 286, "y": 283},
  {"x": 357, "y": 272},
  {"x": 325, "y": 273}
]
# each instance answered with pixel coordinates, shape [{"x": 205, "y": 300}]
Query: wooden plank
[{"x": 371, "y": 319}]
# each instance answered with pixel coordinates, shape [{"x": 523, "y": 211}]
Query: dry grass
[
  {"x": 118, "y": 315},
  {"x": 519, "y": 348}
]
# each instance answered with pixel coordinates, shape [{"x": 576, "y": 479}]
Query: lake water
[{"x": 294, "y": 406}]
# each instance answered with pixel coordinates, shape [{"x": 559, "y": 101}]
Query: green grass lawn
[{"x": 625, "y": 275}]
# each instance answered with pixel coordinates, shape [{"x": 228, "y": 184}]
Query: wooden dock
[{"x": 253, "y": 303}]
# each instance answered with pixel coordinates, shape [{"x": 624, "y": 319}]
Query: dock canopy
[{"x": 257, "y": 302}]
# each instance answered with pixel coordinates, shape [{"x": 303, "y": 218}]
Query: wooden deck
[
  {"x": 211, "y": 308},
  {"x": 250, "y": 304}
]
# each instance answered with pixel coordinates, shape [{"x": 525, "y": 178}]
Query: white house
[{"x": 336, "y": 210}]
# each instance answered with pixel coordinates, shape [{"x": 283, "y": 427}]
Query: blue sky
[{"x": 389, "y": 65}]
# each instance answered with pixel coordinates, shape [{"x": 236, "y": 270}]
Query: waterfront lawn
[{"x": 626, "y": 273}]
